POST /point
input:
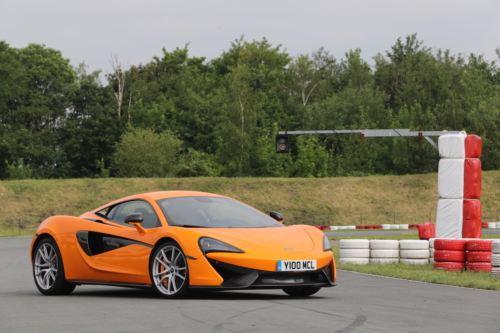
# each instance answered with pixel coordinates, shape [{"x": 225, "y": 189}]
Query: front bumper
[{"x": 238, "y": 277}]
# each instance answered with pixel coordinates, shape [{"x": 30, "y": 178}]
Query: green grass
[
  {"x": 323, "y": 201},
  {"x": 424, "y": 273},
  {"x": 390, "y": 237}
]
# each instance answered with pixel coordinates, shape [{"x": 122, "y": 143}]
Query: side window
[{"x": 118, "y": 213}]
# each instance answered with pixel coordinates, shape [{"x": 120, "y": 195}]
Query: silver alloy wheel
[
  {"x": 46, "y": 266},
  {"x": 169, "y": 270}
]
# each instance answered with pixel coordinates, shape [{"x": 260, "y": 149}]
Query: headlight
[
  {"x": 326, "y": 244},
  {"x": 208, "y": 245}
]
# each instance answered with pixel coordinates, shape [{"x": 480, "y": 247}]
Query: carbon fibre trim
[
  {"x": 111, "y": 283},
  {"x": 94, "y": 243}
]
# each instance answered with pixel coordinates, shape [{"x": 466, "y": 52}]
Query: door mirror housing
[
  {"x": 277, "y": 216},
  {"x": 134, "y": 218}
]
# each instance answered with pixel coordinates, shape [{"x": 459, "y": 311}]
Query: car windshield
[{"x": 213, "y": 212}]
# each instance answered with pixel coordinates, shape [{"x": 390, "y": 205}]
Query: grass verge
[{"x": 424, "y": 273}]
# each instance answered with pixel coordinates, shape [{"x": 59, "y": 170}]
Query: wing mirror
[
  {"x": 277, "y": 216},
  {"x": 134, "y": 218}
]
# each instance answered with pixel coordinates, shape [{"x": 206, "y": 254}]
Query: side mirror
[
  {"x": 277, "y": 216},
  {"x": 134, "y": 218}
]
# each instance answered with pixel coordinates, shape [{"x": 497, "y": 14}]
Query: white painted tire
[
  {"x": 492, "y": 225},
  {"x": 351, "y": 227},
  {"x": 334, "y": 227},
  {"x": 431, "y": 260},
  {"x": 404, "y": 226},
  {"x": 413, "y": 244},
  {"x": 432, "y": 250},
  {"x": 359, "y": 261},
  {"x": 384, "y": 260},
  {"x": 342, "y": 227},
  {"x": 414, "y": 261},
  {"x": 431, "y": 242},
  {"x": 354, "y": 244},
  {"x": 495, "y": 246},
  {"x": 414, "y": 254},
  {"x": 354, "y": 253},
  {"x": 498, "y": 225},
  {"x": 384, "y": 253},
  {"x": 495, "y": 260},
  {"x": 384, "y": 244},
  {"x": 386, "y": 226},
  {"x": 394, "y": 226}
]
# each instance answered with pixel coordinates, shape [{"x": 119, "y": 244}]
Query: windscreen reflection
[{"x": 213, "y": 212}]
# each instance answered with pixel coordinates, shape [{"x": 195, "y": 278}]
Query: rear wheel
[
  {"x": 48, "y": 269},
  {"x": 169, "y": 271},
  {"x": 301, "y": 291}
]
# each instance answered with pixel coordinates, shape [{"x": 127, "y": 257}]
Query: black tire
[
  {"x": 301, "y": 291},
  {"x": 166, "y": 285},
  {"x": 50, "y": 280}
]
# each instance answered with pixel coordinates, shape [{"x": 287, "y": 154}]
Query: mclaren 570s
[{"x": 177, "y": 242}]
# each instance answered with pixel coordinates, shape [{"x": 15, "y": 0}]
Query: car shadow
[{"x": 206, "y": 295}]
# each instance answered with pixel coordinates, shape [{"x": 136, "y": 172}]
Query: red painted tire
[
  {"x": 479, "y": 257},
  {"x": 443, "y": 255},
  {"x": 479, "y": 245},
  {"x": 450, "y": 244},
  {"x": 478, "y": 266},
  {"x": 450, "y": 266},
  {"x": 360, "y": 227},
  {"x": 369, "y": 227},
  {"x": 377, "y": 226}
]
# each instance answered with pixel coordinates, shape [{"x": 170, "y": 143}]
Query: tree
[
  {"x": 91, "y": 128},
  {"x": 37, "y": 87}
]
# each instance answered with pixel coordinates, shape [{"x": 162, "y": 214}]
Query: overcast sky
[{"x": 137, "y": 30}]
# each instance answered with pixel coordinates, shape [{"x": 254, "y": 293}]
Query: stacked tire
[
  {"x": 479, "y": 255},
  {"x": 414, "y": 252},
  {"x": 449, "y": 254},
  {"x": 354, "y": 251},
  {"x": 495, "y": 258},
  {"x": 431, "y": 250},
  {"x": 492, "y": 225},
  {"x": 384, "y": 251}
]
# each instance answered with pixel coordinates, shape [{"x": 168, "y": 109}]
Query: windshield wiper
[{"x": 189, "y": 226}]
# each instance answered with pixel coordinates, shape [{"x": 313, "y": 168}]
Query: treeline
[{"x": 185, "y": 116}]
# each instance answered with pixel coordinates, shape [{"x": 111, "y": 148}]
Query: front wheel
[
  {"x": 169, "y": 271},
  {"x": 301, "y": 291},
  {"x": 48, "y": 269}
]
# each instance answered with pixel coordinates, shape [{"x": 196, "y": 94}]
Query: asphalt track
[{"x": 360, "y": 303}]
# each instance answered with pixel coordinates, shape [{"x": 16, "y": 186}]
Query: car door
[{"x": 116, "y": 251}]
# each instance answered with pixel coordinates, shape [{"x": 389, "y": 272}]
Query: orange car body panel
[{"x": 262, "y": 247}]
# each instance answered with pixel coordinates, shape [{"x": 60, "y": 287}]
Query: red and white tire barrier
[
  {"x": 450, "y": 266},
  {"x": 459, "y": 187},
  {"x": 450, "y": 244},
  {"x": 384, "y": 251},
  {"x": 479, "y": 245},
  {"x": 354, "y": 251},
  {"x": 449, "y": 254},
  {"x": 478, "y": 266},
  {"x": 479, "y": 257},
  {"x": 495, "y": 258},
  {"x": 414, "y": 252}
]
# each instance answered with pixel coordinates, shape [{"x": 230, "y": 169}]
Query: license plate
[{"x": 296, "y": 265}]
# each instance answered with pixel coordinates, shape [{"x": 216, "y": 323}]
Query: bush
[{"x": 143, "y": 153}]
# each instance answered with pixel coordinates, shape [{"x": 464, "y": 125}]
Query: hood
[{"x": 269, "y": 240}]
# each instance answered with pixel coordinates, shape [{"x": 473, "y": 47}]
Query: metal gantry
[{"x": 282, "y": 143}]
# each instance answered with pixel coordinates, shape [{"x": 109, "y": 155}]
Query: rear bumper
[{"x": 238, "y": 277}]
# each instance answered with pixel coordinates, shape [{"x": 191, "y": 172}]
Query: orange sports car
[{"x": 177, "y": 242}]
